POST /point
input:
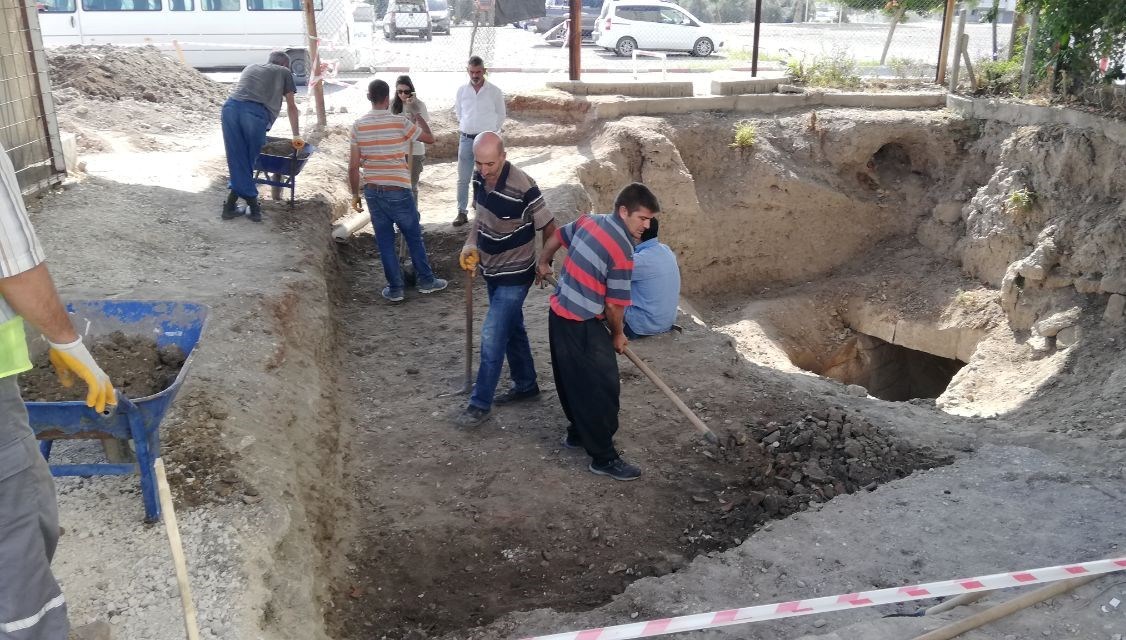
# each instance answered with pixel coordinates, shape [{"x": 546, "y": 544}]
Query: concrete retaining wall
[
  {"x": 635, "y": 89},
  {"x": 1029, "y": 114},
  {"x": 767, "y": 103}
]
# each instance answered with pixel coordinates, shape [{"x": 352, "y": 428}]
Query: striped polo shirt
[
  {"x": 384, "y": 141},
  {"x": 598, "y": 267},
  {"x": 504, "y": 229}
]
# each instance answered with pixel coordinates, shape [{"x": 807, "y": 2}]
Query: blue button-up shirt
[{"x": 655, "y": 286}]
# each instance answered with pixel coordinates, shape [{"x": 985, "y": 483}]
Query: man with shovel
[
  {"x": 509, "y": 210},
  {"x": 594, "y": 286}
]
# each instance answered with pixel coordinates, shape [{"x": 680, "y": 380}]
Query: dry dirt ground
[{"x": 323, "y": 491}]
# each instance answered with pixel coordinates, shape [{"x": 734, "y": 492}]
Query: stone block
[
  {"x": 1068, "y": 336},
  {"x": 1114, "y": 308},
  {"x": 1087, "y": 285},
  {"x": 1113, "y": 283},
  {"x": 70, "y": 151},
  {"x": 1051, "y": 325}
]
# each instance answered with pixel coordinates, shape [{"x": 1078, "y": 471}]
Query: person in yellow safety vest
[{"x": 31, "y": 604}]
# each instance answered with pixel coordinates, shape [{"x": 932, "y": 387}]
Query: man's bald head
[
  {"x": 489, "y": 156},
  {"x": 490, "y": 140}
]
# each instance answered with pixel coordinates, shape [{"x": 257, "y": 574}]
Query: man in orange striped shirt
[{"x": 381, "y": 143}]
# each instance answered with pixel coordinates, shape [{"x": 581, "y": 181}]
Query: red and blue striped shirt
[{"x": 597, "y": 269}]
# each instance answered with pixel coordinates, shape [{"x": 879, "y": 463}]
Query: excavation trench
[{"x": 457, "y": 528}]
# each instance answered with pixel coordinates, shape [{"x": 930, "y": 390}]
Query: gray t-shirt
[{"x": 265, "y": 84}]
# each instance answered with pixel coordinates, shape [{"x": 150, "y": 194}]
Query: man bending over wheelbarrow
[
  {"x": 247, "y": 115},
  {"x": 31, "y": 604}
]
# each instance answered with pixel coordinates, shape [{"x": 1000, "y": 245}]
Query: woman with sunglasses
[{"x": 406, "y": 103}]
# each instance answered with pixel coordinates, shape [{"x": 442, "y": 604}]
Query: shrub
[
  {"x": 837, "y": 70},
  {"x": 996, "y": 77},
  {"x": 745, "y": 133},
  {"x": 1021, "y": 200}
]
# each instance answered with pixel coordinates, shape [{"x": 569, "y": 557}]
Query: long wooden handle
[
  {"x": 468, "y": 329},
  {"x": 1005, "y": 608},
  {"x": 173, "y": 529},
  {"x": 695, "y": 420}
]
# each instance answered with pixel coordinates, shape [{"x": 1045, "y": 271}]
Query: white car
[{"x": 653, "y": 25}]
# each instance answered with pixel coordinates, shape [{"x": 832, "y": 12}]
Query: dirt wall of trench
[{"x": 813, "y": 192}]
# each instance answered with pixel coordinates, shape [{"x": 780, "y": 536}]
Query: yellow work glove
[
  {"x": 298, "y": 143},
  {"x": 469, "y": 258},
  {"x": 357, "y": 203},
  {"x": 73, "y": 359}
]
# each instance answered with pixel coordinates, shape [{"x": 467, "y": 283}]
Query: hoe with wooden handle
[{"x": 693, "y": 419}]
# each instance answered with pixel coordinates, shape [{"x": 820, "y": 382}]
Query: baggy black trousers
[{"x": 586, "y": 379}]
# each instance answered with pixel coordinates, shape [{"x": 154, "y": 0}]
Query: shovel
[{"x": 693, "y": 419}]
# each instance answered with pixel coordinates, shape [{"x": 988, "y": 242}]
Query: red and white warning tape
[{"x": 840, "y": 602}]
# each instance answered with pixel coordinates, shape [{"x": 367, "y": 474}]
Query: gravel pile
[{"x": 812, "y": 459}]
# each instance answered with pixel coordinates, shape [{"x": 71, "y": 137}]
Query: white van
[
  {"x": 653, "y": 25},
  {"x": 210, "y": 33}
]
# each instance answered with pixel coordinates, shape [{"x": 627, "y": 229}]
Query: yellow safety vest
[{"x": 13, "y": 348}]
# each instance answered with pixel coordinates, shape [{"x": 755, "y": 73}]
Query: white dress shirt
[
  {"x": 479, "y": 111},
  {"x": 19, "y": 248}
]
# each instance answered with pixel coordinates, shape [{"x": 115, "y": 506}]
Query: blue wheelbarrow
[
  {"x": 281, "y": 170},
  {"x": 135, "y": 419}
]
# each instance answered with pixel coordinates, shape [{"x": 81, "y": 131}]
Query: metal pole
[
  {"x": 754, "y": 52},
  {"x": 314, "y": 63},
  {"x": 1029, "y": 50},
  {"x": 944, "y": 41},
  {"x": 575, "y": 41}
]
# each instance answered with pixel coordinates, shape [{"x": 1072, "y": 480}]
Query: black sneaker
[
  {"x": 230, "y": 207},
  {"x": 512, "y": 395},
  {"x": 462, "y": 218},
  {"x": 254, "y": 208},
  {"x": 571, "y": 442},
  {"x": 617, "y": 469},
  {"x": 471, "y": 417}
]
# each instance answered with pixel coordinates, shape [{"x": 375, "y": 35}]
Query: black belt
[
  {"x": 384, "y": 187},
  {"x": 469, "y": 136}
]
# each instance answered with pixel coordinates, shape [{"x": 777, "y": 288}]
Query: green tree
[
  {"x": 897, "y": 9},
  {"x": 1073, "y": 36}
]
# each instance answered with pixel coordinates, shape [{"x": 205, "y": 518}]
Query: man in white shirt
[{"x": 479, "y": 107}]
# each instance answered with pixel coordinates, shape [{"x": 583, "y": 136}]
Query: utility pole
[
  {"x": 313, "y": 63},
  {"x": 575, "y": 41}
]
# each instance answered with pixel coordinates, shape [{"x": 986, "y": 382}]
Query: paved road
[{"x": 509, "y": 47}]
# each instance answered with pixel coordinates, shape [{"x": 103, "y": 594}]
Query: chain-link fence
[{"x": 27, "y": 124}]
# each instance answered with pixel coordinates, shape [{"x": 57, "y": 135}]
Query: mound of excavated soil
[
  {"x": 142, "y": 73},
  {"x": 137, "y": 367}
]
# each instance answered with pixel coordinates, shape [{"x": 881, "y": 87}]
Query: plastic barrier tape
[{"x": 840, "y": 602}]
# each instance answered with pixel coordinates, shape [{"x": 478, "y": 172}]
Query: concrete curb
[
  {"x": 767, "y": 103},
  {"x": 1030, "y": 114}
]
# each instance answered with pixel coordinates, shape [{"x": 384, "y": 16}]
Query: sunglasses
[{"x": 404, "y": 92}]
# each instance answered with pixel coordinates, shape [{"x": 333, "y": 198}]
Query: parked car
[
  {"x": 406, "y": 17},
  {"x": 559, "y": 10},
  {"x": 439, "y": 16},
  {"x": 653, "y": 25}
]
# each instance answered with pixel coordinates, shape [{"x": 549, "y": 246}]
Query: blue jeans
[
  {"x": 464, "y": 171},
  {"x": 503, "y": 335},
  {"x": 388, "y": 208},
  {"x": 244, "y": 132}
]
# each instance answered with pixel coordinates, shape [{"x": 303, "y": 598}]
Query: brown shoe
[{"x": 462, "y": 218}]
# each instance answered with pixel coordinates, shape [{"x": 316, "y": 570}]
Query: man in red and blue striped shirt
[{"x": 594, "y": 286}]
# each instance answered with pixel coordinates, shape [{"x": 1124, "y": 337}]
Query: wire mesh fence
[{"x": 27, "y": 125}]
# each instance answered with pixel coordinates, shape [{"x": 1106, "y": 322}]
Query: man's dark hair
[
  {"x": 476, "y": 61},
  {"x": 651, "y": 232},
  {"x": 378, "y": 91},
  {"x": 634, "y": 196}
]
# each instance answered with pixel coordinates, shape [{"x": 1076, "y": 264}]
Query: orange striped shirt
[{"x": 384, "y": 141}]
